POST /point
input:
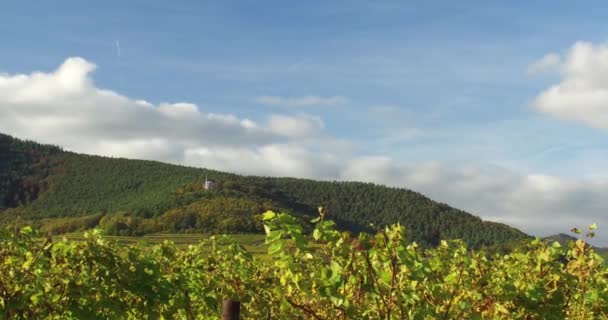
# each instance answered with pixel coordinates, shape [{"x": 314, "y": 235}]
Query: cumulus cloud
[
  {"x": 582, "y": 93},
  {"x": 65, "y": 107},
  {"x": 547, "y": 63},
  {"x": 306, "y": 101}
]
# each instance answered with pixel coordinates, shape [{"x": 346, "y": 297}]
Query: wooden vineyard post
[{"x": 231, "y": 310}]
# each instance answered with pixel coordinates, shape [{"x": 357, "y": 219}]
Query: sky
[{"x": 499, "y": 108}]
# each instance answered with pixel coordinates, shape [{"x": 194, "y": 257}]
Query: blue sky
[{"x": 414, "y": 83}]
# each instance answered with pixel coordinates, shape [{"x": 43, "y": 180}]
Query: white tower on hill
[{"x": 209, "y": 184}]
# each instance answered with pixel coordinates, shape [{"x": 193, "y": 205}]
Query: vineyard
[{"x": 323, "y": 274}]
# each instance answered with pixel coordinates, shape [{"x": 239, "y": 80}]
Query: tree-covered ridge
[
  {"x": 135, "y": 196},
  {"x": 24, "y": 166},
  {"x": 428, "y": 221}
]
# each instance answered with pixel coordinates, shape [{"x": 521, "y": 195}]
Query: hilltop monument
[{"x": 209, "y": 184}]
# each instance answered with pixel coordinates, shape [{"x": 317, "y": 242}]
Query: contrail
[{"x": 117, "y": 48}]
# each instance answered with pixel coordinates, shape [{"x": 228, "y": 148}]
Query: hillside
[
  {"x": 63, "y": 191},
  {"x": 561, "y": 238}
]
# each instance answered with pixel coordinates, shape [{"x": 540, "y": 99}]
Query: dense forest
[
  {"x": 24, "y": 166},
  {"x": 62, "y": 191}
]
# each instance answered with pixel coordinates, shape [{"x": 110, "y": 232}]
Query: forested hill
[{"x": 63, "y": 191}]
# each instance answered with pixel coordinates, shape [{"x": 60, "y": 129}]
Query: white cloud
[
  {"x": 299, "y": 126},
  {"x": 305, "y": 101},
  {"x": 68, "y": 81},
  {"x": 65, "y": 107},
  {"x": 179, "y": 110},
  {"x": 548, "y": 62},
  {"x": 582, "y": 94},
  {"x": 152, "y": 148},
  {"x": 285, "y": 160}
]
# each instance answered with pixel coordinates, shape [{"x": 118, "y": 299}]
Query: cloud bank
[
  {"x": 66, "y": 108},
  {"x": 538, "y": 204}
]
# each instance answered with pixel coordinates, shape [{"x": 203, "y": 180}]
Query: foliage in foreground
[{"x": 325, "y": 275}]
